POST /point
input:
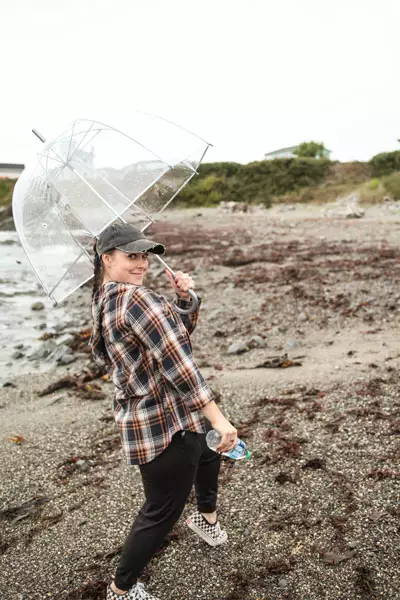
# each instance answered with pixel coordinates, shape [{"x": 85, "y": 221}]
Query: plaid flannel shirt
[{"x": 145, "y": 344}]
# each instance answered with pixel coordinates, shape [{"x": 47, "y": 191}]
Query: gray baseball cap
[{"x": 127, "y": 238}]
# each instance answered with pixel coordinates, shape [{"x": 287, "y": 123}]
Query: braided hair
[{"x": 98, "y": 271}]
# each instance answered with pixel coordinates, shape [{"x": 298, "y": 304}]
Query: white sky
[{"x": 250, "y": 76}]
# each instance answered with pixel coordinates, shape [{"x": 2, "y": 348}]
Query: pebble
[
  {"x": 37, "y": 306},
  {"x": 238, "y": 348}
]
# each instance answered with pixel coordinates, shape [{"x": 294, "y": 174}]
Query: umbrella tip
[{"x": 39, "y": 135}]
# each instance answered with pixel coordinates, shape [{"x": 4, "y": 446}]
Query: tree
[{"x": 311, "y": 150}]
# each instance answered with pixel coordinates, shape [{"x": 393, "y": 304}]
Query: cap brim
[{"x": 142, "y": 245}]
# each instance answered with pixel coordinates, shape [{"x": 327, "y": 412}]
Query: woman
[{"x": 160, "y": 400}]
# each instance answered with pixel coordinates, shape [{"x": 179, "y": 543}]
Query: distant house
[
  {"x": 11, "y": 170},
  {"x": 288, "y": 153}
]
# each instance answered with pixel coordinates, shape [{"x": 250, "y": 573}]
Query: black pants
[{"x": 167, "y": 482}]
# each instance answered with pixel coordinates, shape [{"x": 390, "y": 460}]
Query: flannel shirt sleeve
[
  {"x": 189, "y": 320},
  {"x": 160, "y": 334}
]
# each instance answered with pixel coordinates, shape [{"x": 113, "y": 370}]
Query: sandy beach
[{"x": 298, "y": 337}]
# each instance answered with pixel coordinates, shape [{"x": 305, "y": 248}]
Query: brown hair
[{"x": 98, "y": 267}]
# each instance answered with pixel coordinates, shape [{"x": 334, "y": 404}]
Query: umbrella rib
[
  {"x": 94, "y": 190},
  {"x": 130, "y": 202},
  {"x": 133, "y": 202},
  {"x": 64, "y": 274},
  {"x": 176, "y": 125},
  {"x": 70, "y": 139},
  {"x": 74, "y": 289},
  {"x": 133, "y": 139},
  {"x": 172, "y": 197},
  {"x": 97, "y": 131}
]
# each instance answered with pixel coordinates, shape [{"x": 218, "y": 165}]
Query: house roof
[
  {"x": 282, "y": 150},
  {"x": 11, "y": 166},
  {"x": 289, "y": 149}
]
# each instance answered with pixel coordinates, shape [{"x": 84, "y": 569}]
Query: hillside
[{"x": 292, "y": 180}]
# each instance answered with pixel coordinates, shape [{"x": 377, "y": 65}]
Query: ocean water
[{"x": 19, "y": 324}]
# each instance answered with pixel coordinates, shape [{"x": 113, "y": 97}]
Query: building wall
[{"x": 11, "y": 173}]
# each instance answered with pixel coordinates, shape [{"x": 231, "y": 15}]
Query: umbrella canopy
[{"x": 86, "y": 178}]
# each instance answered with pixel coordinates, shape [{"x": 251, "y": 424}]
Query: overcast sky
[{"x": 249, "y": 76}]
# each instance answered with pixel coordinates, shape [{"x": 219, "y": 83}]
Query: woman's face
[{"x": 125, "y": 268}]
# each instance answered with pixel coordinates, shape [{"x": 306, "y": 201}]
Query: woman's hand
[
  {"x": 221, "y": 424},
  {"x": 229, "y": 435},
  {"x": 180, "y": 283}
]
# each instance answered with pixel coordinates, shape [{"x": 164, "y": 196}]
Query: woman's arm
[
  {"x": 172, "y": 351},
  {"x": 220, "y": 423}
]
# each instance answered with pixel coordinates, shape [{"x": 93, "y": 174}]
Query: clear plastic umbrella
[{"x": 88, "y": 177}]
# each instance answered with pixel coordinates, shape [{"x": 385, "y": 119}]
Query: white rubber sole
[{"x": 204, "y": 536}]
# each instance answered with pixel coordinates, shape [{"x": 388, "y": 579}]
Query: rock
[
  {"x": 19, "y": 346},
  {"x": 41, "y": 326},
  {"x": 237, "y": 348},
  {"x": 37, "y": 306},
  {"x": 44, "y": 351},
  {"x": 256, "y": 341},
  {"x": 65, "y": 358},
  {"x": 303, "y": 317},
  {"x": 17, "y": 354},
  {"x": 9, "y": 384},
  {"x": 83, "y": 465},
  {"x": 66, "y": 339}
]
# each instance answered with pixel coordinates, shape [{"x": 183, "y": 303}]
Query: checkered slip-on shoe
[
  {"x": 136, "y": 592},
  {"x": 212, "y": 534},
  {"x": 113, "y": 596}
]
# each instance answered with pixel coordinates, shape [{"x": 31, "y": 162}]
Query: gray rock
[
  {"x": 283, "y": 582},
  {"x": 66, "y": 358},
  {"x": 17, "y": 354},
  {"x": 82, "y": 465},
  {"x": 237, "y": 348},
  {"x": 256, "y": 341},
  {"x": 66, "y": 339},
  {"x": 41, "y": 326},
  {"x": 19, "y": 346},
  {"x": 44, "y": 351},
  {"x": 37, "y": 306}
]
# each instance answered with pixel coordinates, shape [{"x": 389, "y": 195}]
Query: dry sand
[{"x": 315, "y": 513}]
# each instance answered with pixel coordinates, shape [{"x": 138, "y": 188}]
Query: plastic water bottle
[{"x": 213, "y": 439}]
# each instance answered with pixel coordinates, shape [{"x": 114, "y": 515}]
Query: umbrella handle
[
  {"x": 195, "y": 301},
  {"x": 192, "y": 307}
]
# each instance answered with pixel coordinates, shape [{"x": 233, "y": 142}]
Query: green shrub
[
  {"x": 256, "y": 182},
  {"x": 373, "y": 184},
  {"x": 203, "y": 191},
  {"x": 385, "y": 163},
  {"x": 311, "y": 150},
  {"x": 6, "y": 190},
  {"x": 392, "y": 185}
]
